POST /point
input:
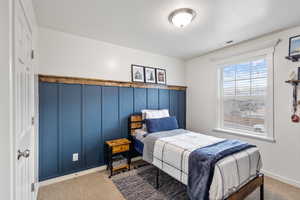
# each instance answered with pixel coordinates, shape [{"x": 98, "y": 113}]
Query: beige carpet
[{"x": 97, "y": 186}]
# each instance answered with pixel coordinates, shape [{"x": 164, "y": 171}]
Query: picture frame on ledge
[
  {"x": 138, "y": 73},
  {"x": 161, "y": 76},
  {"x": 150, "y": 75},
  {"x": 294, "y": 49}
]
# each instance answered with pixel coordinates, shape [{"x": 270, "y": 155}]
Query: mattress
[{"x": 230, "y": 174}]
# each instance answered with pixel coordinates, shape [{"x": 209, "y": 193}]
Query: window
[{"x": 246, "y": 96}]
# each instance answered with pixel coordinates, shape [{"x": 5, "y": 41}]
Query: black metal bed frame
[{"x": 241, "y": 194}]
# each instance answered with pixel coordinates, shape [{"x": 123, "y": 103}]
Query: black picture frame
[
  {"x": 158, "y": 76},
  {"x": 134, "y": 76},
  {"x": 294, "y": 56},
  {"x": 152, "y": 69}
]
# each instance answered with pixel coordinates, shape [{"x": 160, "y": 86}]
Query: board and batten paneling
[
  {"x": 70, "y": 111},
  {"x": 49, "y": 154},
  {"x": 177, "y": 106},
  {"x": 140, "y": 99},
  {"x": 181, "y": 109},
  {"x": 79, "y": 118},
  {"x": 125, "y": 109},
  {"x": 152, "y": 98},
  {"x": 110, "y": 113},
  {"x": 92, "y": 124},
  {"x": 164, "y": 99},
  {"x": 174, "y": 103}
]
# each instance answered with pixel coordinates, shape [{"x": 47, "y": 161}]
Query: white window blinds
[{"x": 244, "y": 90}]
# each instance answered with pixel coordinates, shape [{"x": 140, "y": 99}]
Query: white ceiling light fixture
[{"x": 182, "y": 17}]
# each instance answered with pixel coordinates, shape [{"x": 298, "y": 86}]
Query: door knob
[{"x": 24, "y": 154}]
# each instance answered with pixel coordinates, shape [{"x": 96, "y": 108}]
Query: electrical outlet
[{"x": 75, "y": 157}]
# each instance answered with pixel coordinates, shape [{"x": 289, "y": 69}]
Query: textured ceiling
[{"x": 143, "y": 24}]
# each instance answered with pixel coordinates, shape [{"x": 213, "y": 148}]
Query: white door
[{"x": 23, "y": 104}]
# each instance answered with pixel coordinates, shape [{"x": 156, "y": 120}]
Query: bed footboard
[
  {"x": 247, "y": 189},
  {"x": 242, "y": 193}
]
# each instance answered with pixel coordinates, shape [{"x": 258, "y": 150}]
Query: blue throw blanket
[{"x": 202, "y": 163}]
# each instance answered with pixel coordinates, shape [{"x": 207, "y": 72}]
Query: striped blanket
[{"x": 170, "y": 151}]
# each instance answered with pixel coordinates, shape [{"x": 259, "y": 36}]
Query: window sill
[{"x": 248, "y": 135}]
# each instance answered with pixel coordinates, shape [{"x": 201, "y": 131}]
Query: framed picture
[
  {"x": 137, "y": 73},
  {"x": 161, "y": 76},
  {"x": 150, "y": 76},
  {"x": 294, "y": 50}
]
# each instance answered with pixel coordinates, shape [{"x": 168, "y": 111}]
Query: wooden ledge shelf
[{"x": 101, "y": 82}]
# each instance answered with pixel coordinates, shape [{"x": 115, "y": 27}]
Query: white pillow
[{"x": 155, "y": 114}]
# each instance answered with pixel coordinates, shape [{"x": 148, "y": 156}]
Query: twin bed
[{"x": 178, "y": 153}]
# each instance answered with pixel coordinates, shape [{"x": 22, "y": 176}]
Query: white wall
[
  {"x": 281, "y": 159},
  {"x": 64, "y": 54},
  {"x": 5, "y": 140}
]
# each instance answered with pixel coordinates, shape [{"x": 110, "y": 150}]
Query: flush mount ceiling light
[{"x": 182, "y": 17}]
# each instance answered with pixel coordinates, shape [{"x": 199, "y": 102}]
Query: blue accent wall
[
  {"x": 49, "y": 133},
  {"x": 140, "y": 99},
  {"x": 126, "y": 108},
  {"x": 70, "y": 112},
  {"x": 110, "y": 113},
  {"x": 152, "y": 98},
  {"x": 92, "y": 126},
  {"x": 174, "y": 104},
  {"x": 80, "y": 118},
  {"x": 181, "y": 109},
  {"x": 164, "y": 99}
]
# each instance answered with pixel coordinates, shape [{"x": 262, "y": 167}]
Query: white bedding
[
  {"x": 171, "y": 155},
  {"x": 139, "y": 134}
]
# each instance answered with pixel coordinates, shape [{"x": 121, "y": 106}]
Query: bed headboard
[{"x": 135, "y": 122}]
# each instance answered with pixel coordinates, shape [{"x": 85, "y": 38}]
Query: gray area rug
[{"x": 139, "y": 184}]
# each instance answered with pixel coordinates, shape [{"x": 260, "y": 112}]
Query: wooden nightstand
[{"x": 117, "y": 148}]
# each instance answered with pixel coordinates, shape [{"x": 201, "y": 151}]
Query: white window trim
[
  {"x": 268, "y": 54},
  {"x": 245, "y": 134}
]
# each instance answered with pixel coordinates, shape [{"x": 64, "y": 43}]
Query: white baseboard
[
  {"x": 70, "y": 176},
  {"x": 282, "y": 179},
  {"x": 77, "y": 174},
  {"x": 36, "y": 190}
]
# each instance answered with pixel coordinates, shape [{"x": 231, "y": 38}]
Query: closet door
[
  {"x": 48, "y": 131},
  {"x": 71, "y": 127},
  {"x": 92, "y": 136}
]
